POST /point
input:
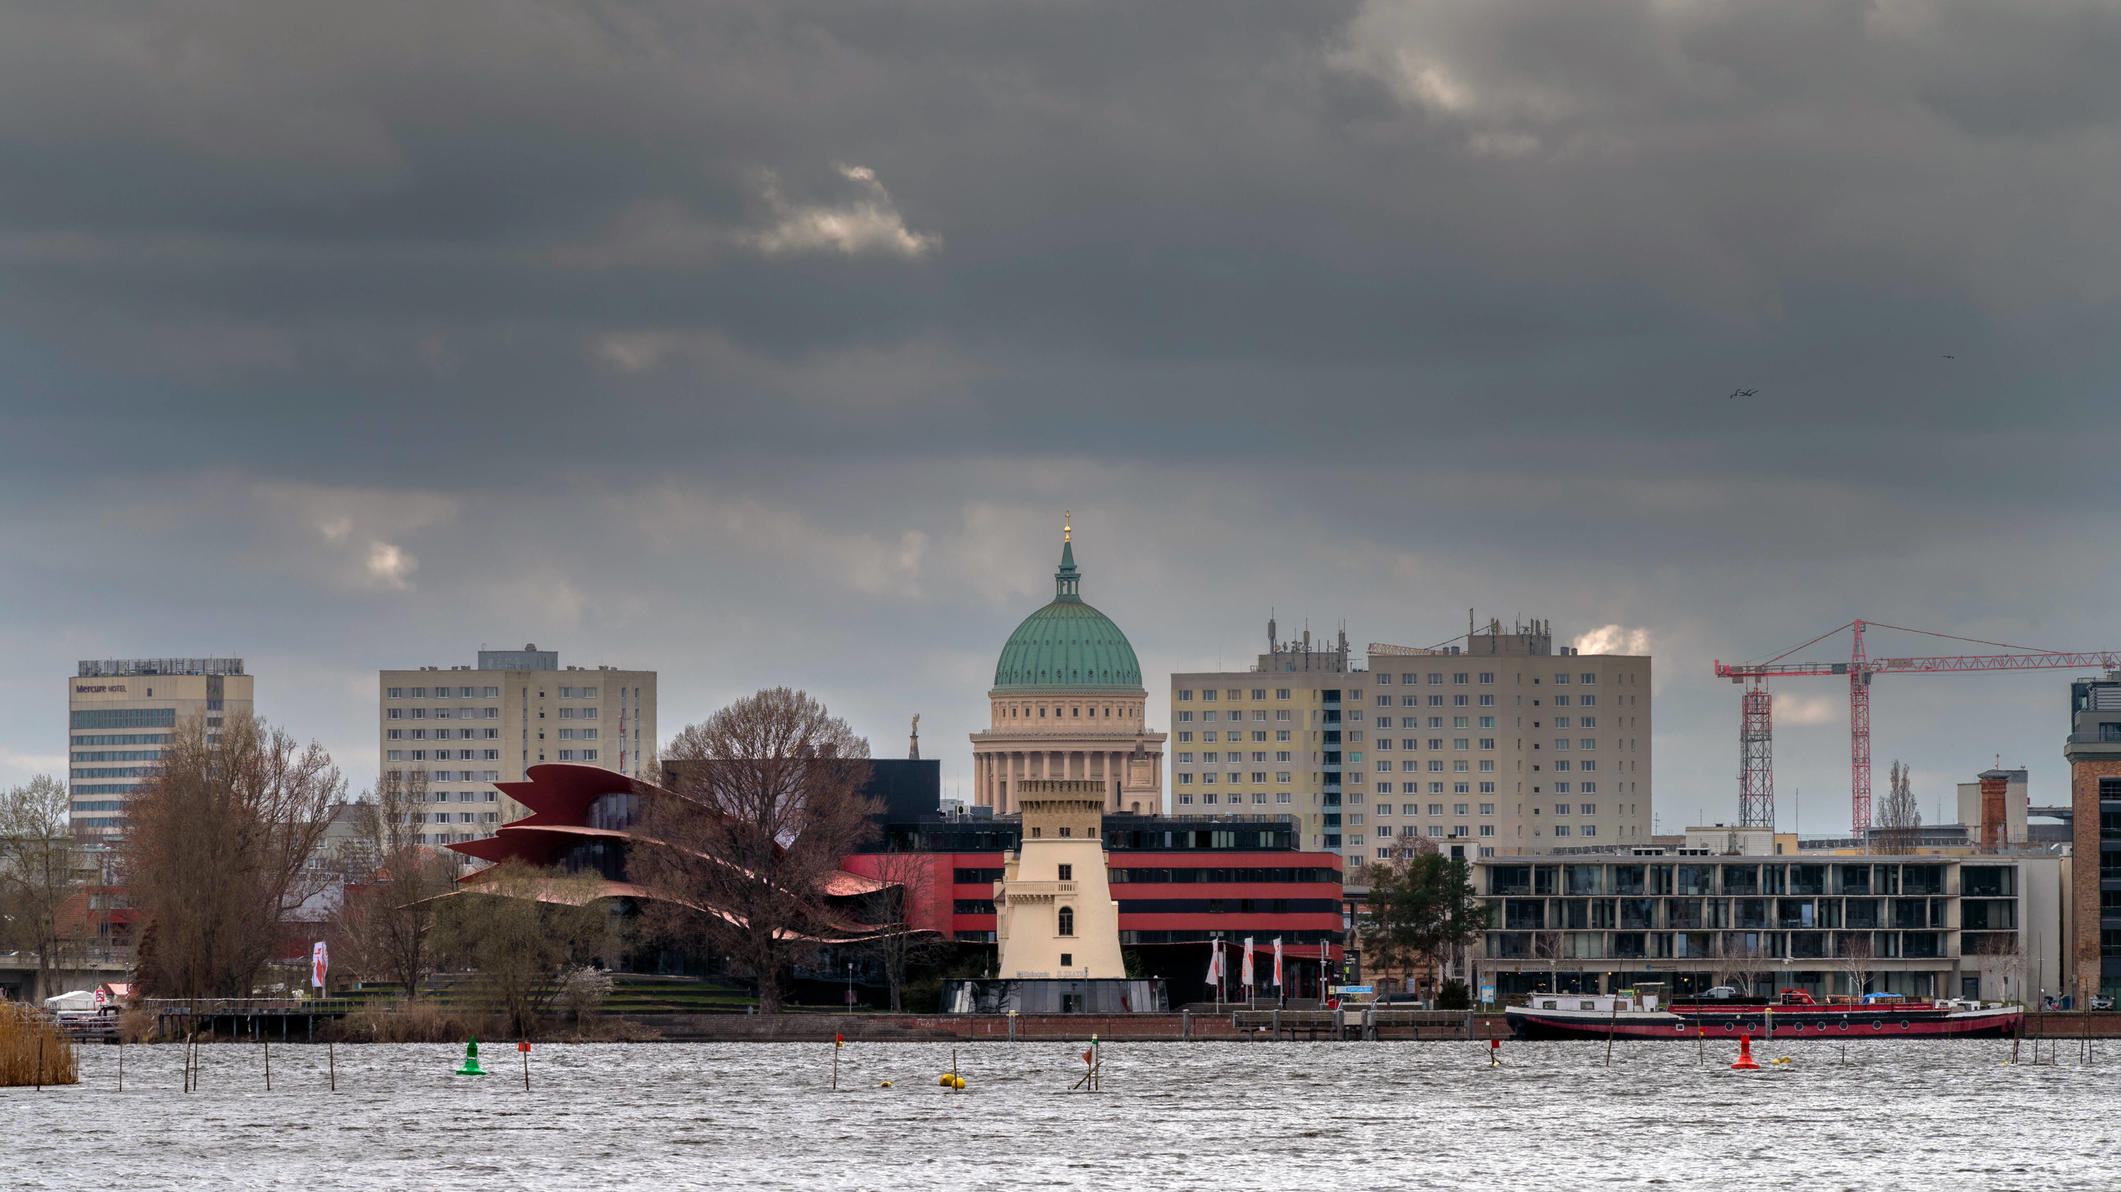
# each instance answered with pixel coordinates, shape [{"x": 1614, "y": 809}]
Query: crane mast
[{"x": 1756, "y": 779}]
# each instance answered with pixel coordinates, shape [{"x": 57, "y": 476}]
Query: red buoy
[{"x": 1745, "y": 1053}]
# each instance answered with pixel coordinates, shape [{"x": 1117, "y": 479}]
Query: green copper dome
[{"x": 1067, "y": 644}]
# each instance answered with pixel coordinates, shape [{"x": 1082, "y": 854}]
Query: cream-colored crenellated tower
[
  {"x": 1068, "y": 704},
  {"x": 1053, "y": 910}
]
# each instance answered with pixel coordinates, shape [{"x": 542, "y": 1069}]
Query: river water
[{"x": 1910, "y": 1114}]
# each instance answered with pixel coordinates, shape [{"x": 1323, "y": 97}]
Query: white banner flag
[
  {"x": 1246, "y": 968},
  {"x": 319, "y": 964},
  {"x": 1215, "y": 965},
  {"x": 1277, "y": 962}
]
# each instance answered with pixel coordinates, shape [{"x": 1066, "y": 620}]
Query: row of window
[
  {"x": 1458, "y": 744},
  {"x": 1258, "y": 693},
  {"x": 112, "y": 772},
  {"x": 1210, "y": 758},
  {"x": 123, "y": 718},
  {"x": 1209, "y": 715},
  {"x": 453, "y": 775},
  {"x": 488, "y": 713},
  {"x": 1074, "y": 712},
  {"x": 1741, "y": 877},
  {"x": 578, "y": 734},
  {"x": 442, "y": 755},
  {"x": 578, "y": 755},
  {"x": 441, "y": 734},
  {"x": 1180, "y": 906},
  {"x": 1435, "y": 766},
  {"x": 1635, "y": 945},
  {"x": 457, "y": 692},
  {"x": 1281, "y": 777},
  {"x": 1437, "y": 809},
  {"x": 122, "y": 739},
  {"x": 461, "y": 797},
  {"x": 118, "y": 755},
  {"x": 1435, "y": 788},
  {"x": 1233, "y": 736},
  {"x": 1234, "y": 798},
  {"x": 460, "y": 817},
  {"x": 1435, "y": 701}
]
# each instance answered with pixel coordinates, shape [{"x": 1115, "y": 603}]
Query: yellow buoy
[
  {"x": 958, "y": 1083},
  {"x": 945, "y": 1079},
  {"x": 885, "y": 1085}
]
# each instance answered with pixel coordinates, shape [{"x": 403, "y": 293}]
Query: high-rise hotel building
[
  {"x": 120, "y": 713},
  {"x": 1503, "y": 745},
  {"x": 465, "y": 728}
]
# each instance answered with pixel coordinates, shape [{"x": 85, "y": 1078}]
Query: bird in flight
[
  {"x": 1742, "y": 393},
  {"x": 1951, "y": 357}
]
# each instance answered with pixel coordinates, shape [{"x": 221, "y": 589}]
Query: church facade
[{"x": 1068, "y": 705}]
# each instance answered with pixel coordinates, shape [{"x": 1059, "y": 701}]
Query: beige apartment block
[
  {"x": 1054, "y": 912},
  {"x": 120, "y": 713},
  {"x": 466, "y": 728},
  {"x": 1506, "y": 744}
]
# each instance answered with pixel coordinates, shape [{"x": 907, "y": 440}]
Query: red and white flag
[
  {"x": 1245, "y": 970},
  {"x": 1215, "y": 964},
  {"x": 319, "y": 964},
  {"x": 1277, "y": 962}
]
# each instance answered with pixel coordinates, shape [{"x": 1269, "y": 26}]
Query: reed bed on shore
[{"x": 28, "y": 1039}]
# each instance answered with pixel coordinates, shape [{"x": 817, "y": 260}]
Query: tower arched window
[{"x": 1065, "y": 920}]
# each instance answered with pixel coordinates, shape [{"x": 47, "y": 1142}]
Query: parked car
[{"x": 1721, "y": 993}]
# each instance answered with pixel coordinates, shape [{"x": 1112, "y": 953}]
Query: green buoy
[{"x": 471, "y": 1060}]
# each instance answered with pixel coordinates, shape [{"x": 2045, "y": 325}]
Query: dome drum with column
[{"x": 1068, "y": 703}]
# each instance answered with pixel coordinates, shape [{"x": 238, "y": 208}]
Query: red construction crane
[{"x": 1756, "y": 777}]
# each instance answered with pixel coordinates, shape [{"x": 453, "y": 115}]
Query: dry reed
[{"x": 27, "y": 1036}]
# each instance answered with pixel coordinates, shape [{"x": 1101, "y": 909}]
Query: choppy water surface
[{"x": 1201, "y": 1115}]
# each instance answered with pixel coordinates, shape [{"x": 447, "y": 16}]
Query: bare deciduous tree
[
  {"x": 217, "y": 850},
  {"x": 1897, "y": 824},
  {"x": 387, "y": 920},
  {"x": 40, "y": 871},
  {"x": 1548, "y": 946},
  {"x": 519, "y": 930},
  {"x": 909, "y": 881},
  {"x": 769, "y": 798},
  {"x": 1739, "y": 963},
  {"x": 1854, "y": 952}
]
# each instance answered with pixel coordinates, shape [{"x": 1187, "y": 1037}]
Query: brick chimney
[{"x": 1995, "y": 819}]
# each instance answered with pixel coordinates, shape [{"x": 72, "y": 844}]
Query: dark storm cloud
[{"x": 436, "y": 319}]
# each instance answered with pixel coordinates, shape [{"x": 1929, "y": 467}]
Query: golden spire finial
[{"x": 1067, "y": 525}]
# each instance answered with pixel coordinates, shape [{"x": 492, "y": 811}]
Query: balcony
[{"x": 1021, "y": 891}]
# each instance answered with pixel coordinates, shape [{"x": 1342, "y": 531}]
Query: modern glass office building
[{"x": 1977, "y": 926}]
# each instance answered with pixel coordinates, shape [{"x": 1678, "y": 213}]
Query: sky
[{"x": 765, "y": 343}]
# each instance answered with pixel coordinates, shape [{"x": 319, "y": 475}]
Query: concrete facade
[
  {"x": 1993, "y": 927},
  {"x": 1504, "y": 745},
  {"x": 468, "y": 727},
  {"x": 1054, "y": 912},
  {"x": 120, "y": 713}
]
